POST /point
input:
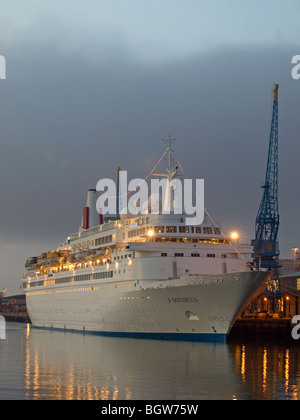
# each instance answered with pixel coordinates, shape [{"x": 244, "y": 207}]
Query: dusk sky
[{"x": 96, "y": 84}]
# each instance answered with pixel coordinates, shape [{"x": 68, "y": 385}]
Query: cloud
[{"x": 71, "y": 118}]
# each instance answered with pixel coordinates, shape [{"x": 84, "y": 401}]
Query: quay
[
  {"x": 13, "y": 309},
  {"x": 21, "y": 317},
  {"x": 258, "y": 328}
]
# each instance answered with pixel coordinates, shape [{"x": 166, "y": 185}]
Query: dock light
[{"x": 150, "y": 233}]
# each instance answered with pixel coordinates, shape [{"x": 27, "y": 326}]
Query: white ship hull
[{"x": 200, "y": 308}]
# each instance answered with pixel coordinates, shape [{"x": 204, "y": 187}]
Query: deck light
[
  {"x": 234, "y": 235},
  {"x": 150, "y": 233}
]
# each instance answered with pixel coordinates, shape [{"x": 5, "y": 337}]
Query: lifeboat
[
  {"x": 42, "y": 259},
  {"x": 82, "y": 255},
  {"x": 31, "y": 263},
  {"x": 53, "y": 258}
]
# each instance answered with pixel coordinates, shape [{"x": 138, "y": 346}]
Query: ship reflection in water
[
  {"x": 70, "y": 366},
  {"x": 269, "y": 371}
]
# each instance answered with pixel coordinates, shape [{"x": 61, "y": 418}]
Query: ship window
[
  {"x": 183, "y": 229},
  {"x": 217, "y": 231},
  {"x": 164, "y": 254},
  {"x": 179, "y": 254},
  {"x": 171, "y": 229},
  {"x": 198, "y": 229},
  {"x": 207, "y": 230},
  {"x": 224, "y": 256},
  {"x": 211, "y": 255},
  {"x": 195, "y": 255},
  {"x": 159, "y": 229}
]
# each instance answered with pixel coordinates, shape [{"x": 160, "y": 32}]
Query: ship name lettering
[{"x": 183, "y": 300}]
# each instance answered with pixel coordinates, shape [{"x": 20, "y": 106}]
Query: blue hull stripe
[{"x": 205, "y": 337}]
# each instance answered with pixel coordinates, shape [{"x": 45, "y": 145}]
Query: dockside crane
[{"x": 265, "y": 245}]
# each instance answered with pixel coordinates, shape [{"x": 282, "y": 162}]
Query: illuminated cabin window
[
  {"x": 49, "y": 282},
  {"x": 159, "y": 229},
  {"x": 184, "y": 229},
  {"x": 298, "y": 284},
  {"x": 171, "y": 229}
]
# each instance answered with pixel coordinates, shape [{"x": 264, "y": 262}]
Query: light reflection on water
[{"x": 38, "y": 364}]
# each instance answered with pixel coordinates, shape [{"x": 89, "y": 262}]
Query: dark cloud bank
[{"x": 69, "y": 119}]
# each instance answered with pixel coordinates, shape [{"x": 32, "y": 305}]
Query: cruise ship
[{"x": 143, "y": 276}]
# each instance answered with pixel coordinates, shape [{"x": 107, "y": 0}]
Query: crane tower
[{"x": 265, "y": 245}]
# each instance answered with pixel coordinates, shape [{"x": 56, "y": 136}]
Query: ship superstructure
[{"x": 149, "y": 275}]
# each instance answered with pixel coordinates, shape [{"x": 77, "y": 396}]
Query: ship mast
[
  {"x": 171, "y": 174},
  {"x": 171, "y": 169}
]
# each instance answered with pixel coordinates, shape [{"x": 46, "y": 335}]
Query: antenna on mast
[{"x": 171, "y": 169}]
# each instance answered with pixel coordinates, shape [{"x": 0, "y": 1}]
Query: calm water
[{"x": 37, "y": 364}]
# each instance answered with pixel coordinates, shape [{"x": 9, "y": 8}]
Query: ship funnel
[{"x": 90, "y": 215}]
